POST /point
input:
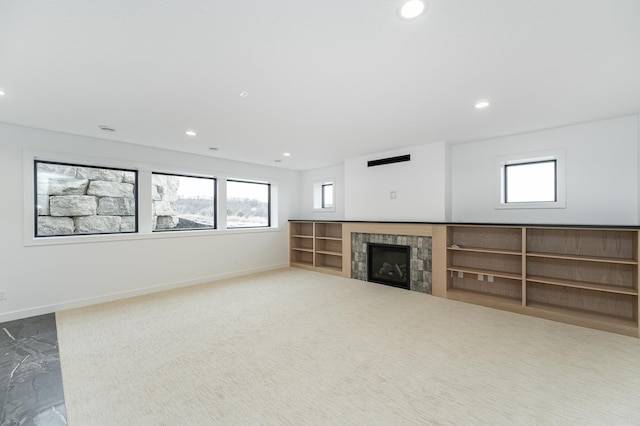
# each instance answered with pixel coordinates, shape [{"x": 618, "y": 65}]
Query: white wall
[
  {"x": 420, "y": 186},
  {"x": 45, "y": 278},
  {"x": 308, "y": 178},
  {"x": 601, "y": 175}
]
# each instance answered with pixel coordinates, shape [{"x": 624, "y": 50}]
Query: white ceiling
[{"x": 328, "y": 79}]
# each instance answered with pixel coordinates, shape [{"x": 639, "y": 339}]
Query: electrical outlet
[
  {"x": 393, "y": 195},
  {"x": 3, "y": 294}
]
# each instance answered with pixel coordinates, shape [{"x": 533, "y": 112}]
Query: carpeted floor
[{"x": 298, "y": 347}]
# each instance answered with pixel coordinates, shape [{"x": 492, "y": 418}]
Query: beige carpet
[{"x": 297, "y": 347}]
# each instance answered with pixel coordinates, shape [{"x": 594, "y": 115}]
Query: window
[
  {"x": 183, "y": 202},
  {"x": 323, "y": 196},
  {"x": 74, "y": 199},
  {"x": 327, "y": 195},
  {"x": 531, "y": 182},
  {"x": 248, "y": 204}
]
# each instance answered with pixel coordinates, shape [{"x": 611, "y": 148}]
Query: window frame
[
  {"x": 136, "y": 191},
  {"x": 269, "y": 206},
  {"x": 505, "y": 178},
  {"x": 215, "y": 202},
  {"x": 503, "y": 162},
  {"x": 324, "y": 193}
]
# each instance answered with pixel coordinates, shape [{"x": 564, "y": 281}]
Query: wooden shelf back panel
[
  {"x": 499, "y": 287},
  {"x": 328, "y": 261},
  {"x": 329, "y": 245},
  {"x": 303, "y": 257},
  {"x": 582, "y": 284},
  {"x": 302, "y": 229},
  {"x": 506, "y": 275},
  {"x": 611, "y": 243},
  {"x": 302, "y": 243},
  {"x": 486, "y": 237},
  {"x": 331, "y": 230},
  {"x": 487, "y": 261},
  {"x": 487, "y": 250},
  {"x": 584, "y": 318},
  {"x": 589, "y": 272},
  {"x": 597, "y": 302},
  {"x": 581, "y": 257}
]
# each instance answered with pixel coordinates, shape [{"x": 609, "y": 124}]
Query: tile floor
[{"x": 30, "y": 377}]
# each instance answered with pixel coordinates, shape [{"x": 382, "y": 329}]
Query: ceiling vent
[{"x": 390, "y": 160}]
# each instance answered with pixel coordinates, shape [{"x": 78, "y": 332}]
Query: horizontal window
[
  {"x": 75, "y": 199},
  {"x": 183, "y": 202}
]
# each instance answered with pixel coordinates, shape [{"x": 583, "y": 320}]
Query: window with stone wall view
[
  {"x": 75, "y": 199},
  {"x": 183, "y": 202},
  {"x": 248, "y": 204}
]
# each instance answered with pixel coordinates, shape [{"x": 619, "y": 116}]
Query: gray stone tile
[
  {"x": 31, "y": 390},
  {"x": 420, "y": 256}
]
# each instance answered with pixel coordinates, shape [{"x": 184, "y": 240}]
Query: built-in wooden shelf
[
  {"x": 584, "y": 318},
  {"x": 322, "y": 244},
  {"x": 583, "y": 258},
  {"x": 583, "y": 276},
  {"x": 485, "y": 250},
  {"x": 485, "y": 272},
  {"x": 579, "y": 284}
]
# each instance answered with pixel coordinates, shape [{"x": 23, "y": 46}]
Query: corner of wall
[
  {"x": 638, "y": 163},
  {"x": 447, "y": 182}
]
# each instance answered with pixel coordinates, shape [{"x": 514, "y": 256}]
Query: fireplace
[{"x": 389, "y": 264}]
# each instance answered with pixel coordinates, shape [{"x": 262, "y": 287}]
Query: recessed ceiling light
[
  {"x": 190, "y": 133},
  {"x": 482, "y": 104},
  {"x": 244, "y": 94},
  {"x": 287, "y": 154},
  {"x": 411, "y": 9},
  {"x": 106, "y": 128},
  {"x": 2, "y": 93}
]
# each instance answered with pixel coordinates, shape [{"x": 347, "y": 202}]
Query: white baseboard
[{"x": 80, "y": 303}]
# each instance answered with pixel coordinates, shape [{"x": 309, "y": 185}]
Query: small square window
[
  {"x": 530, "y": 182},
  {"x": 534, "y": 180}
]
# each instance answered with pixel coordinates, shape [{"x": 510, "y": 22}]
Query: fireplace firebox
[{"x": 389, "y": 264}]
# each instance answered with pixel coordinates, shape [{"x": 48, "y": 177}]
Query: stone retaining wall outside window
[{"x": 73, "y": 199}]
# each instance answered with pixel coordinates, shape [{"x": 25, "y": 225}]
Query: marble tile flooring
[{"x": 30, "y": 377}]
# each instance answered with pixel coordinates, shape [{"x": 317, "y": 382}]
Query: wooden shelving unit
[
  {"x": 316, "y": 246},
  {"x": 301, "y": 244},
  {"x": 582, "y": 276}
]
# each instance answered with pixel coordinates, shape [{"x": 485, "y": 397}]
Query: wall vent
[{"x": 390, "y": 160}]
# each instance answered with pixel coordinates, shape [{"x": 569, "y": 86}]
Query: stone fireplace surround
[{"x": 421, "y": 257}]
